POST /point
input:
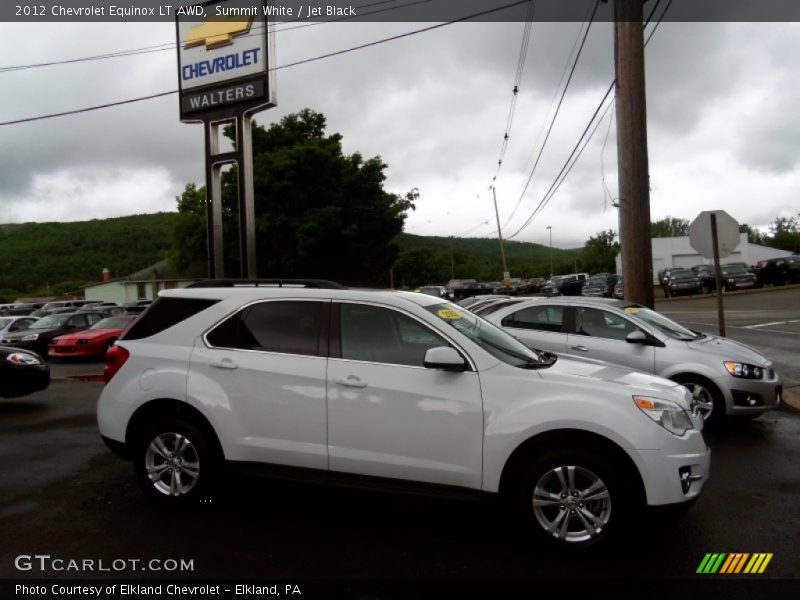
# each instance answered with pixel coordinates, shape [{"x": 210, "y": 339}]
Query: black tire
[
  {"x": 176, "y": 462},
  {"x": 564, "y": 525},
  {"x": 709, "y": 394}
]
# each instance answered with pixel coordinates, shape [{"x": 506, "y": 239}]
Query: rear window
[{"x": 163, "y": 314}]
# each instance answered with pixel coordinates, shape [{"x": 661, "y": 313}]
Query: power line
[
  {"x": 523, "y": 54},
  {"x": 254, "y": 32},
  {"x": 555, "y": 115},
  {"x": 565, "y": 170},
  {"x": 286, "y": 66}
]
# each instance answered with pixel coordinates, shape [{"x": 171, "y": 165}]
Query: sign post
[
  {"x": 226, "y": 74},
  {"x": 723, "y": 239}
]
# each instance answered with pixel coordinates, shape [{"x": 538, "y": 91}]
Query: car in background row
[
  {"x": 725, "y": 377},
  {"x": 14, "y": 324},
  {"x": 37, "y": 337},
  {"x": 487, "y": 308},
  {"x": 563, "y": 285},
  {"x": 57, "y": 306},
  {"x": 437, "y": 291},
  {"x": 22, "y": 372},
  {"x": 780, "y": 271},
  {"x": 619, "y": 290},
  {"x": 682, "y": 282},
  {"x": 600, "y": 285},
  {"x": 19, "y": 309},
  {"x": 94, "y": 341}
]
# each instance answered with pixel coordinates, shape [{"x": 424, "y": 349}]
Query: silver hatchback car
[{"x": 725, "y": 377}]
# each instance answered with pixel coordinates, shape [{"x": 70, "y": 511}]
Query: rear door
[{"x": 266, "y": 365}]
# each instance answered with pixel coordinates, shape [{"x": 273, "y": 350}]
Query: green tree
[
  {"x": 600, "y": 252},
  {"x": 319, "y": 212},
  {"x": 754, "y": 236},
  {"x": 785, "y": 233},
  {"x": 669, "y": 227}
]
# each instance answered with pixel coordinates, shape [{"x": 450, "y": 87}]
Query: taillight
[{"x": 115, "y": 358}]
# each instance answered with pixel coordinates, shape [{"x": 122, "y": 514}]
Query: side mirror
[
  {"x": 637, "y": 337},
  {"x": 444, "y": 358}
]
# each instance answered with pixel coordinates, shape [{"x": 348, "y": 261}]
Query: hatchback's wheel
[
  {"x": 707, "y": 398},
  {"x": 175, "y": 462},
  {"x": 572, "y": 498}
]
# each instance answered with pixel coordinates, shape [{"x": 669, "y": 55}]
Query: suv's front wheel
[
  {"x": 175, "y": 462},
  {"x": 572, "y": 498}
]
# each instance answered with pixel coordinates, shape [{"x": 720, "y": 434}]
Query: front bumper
[
  {"x": 24, "y": 380},
  {"x": 751, "y": 396},
  {"x": 672, "y": 477}
]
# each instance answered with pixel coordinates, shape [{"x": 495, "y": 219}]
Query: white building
[{"x": 678, "y": 252}]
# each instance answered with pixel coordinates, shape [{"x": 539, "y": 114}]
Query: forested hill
[
  {"x": 63, "y": 256},
  {"x": 54, "y": 258}
]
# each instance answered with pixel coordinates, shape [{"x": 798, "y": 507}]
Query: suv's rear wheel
[
  {"x": 175, "y": 462},
  {"x": 572, "y": 498}
]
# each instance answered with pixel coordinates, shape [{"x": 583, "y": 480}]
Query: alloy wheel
[
  {"x": 172, "y": 464},
  {"x": 572, "y": 504}
]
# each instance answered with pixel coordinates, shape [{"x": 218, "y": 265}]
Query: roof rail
[{"x": 288, "y": 283}]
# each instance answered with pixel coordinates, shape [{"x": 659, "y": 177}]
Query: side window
[
  {"x": 94, "y": 318},
  {"x": 287, "y": 327},
  {"x": 382, "y": 335},
  {"x": 541, "y": 318},
  {"x": 603, "y": 324},
  {"x": 77, "y": 321}
]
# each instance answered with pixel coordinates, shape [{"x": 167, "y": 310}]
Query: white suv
[{"x": 392, "y": 387}]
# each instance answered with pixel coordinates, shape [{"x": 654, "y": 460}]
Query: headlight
[
  {"x": 743, "y": 370},
  {"x": 669, "y": 415},
  {"x": 731, "y": 280},
  {"x": 23, "y": 358},
  {"x": 32, "y": 337}
]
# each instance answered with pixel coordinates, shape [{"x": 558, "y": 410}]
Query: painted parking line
[
  {"x": 759, "y": 325},
  {"x": 748, "y": 327}
]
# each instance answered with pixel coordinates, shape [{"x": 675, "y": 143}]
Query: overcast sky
[{"x": 722, "y": 121}]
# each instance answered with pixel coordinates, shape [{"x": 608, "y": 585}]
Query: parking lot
[{"x": 64, "y": 494}]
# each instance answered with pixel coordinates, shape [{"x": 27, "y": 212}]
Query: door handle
[
  {"x": 581, "y": 348},
  {"x": 351, "y": 381},
  {"x": 225, "y": 363}
]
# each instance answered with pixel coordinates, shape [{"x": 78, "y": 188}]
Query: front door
[{"x": 388, "y": 415}]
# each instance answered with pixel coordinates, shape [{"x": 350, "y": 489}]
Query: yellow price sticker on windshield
[
  {"x": 631, "y": 310},
  {"x": 447, "y": 313}
]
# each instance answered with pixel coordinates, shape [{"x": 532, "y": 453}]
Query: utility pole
[
  {"x": 500, "y": 236},
  {"x": 550, "y": 229},
  {"x": 634, "y": 185}
]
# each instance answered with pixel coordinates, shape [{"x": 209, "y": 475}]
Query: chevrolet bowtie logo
[{"x": 217, "y": 33}]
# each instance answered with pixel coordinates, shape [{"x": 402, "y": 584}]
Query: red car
[{"x": 90, "y": 342}]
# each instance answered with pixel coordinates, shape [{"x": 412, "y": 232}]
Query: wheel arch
[
  {"x": 571, "y": 438},
  {"x": 162, "y": 408}
]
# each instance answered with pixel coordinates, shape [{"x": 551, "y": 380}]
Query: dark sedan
[
  {"x": 600, "y": 285},
  {"x": 38, "y": 336},
  {"x": 21, "y": 373}
]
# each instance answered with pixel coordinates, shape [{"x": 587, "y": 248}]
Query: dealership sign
[{"x": 225, "y": 59}]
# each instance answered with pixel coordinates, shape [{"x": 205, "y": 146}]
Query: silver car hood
[{"x": 728, "y": 349}]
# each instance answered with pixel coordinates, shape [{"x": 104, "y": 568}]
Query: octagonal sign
[{"x": 727, "y": 234}]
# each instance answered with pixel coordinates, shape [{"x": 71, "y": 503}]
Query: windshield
[
  {"x": 492, "y": 339},
  {"x": 51, "y": 322},
  {"x": 666, "y": 326},
  {"x": 596, "y": 281},
  {"x": 5, "y": 323},
  {"x": 112, "y": 323},
  {"x": 734, "y": 270}
]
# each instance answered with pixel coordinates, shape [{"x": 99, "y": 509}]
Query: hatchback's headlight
[
  {"x": 669, "y": 415},
  {"x": 31, "y": 337},
  {"x": 744, "y": 370},
  {"x": 23, "y": 358}
]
